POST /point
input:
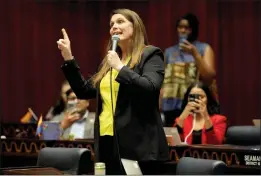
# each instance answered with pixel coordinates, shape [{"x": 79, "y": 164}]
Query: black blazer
[{"x": 137, "y": 118}]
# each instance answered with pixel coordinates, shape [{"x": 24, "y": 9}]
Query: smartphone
[
  {"x": 71, "y": 106},
  {"x": 193, "y": 97},
  {"x": 182, "y": 38}
]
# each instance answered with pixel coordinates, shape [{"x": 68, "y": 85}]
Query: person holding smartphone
[
  {"x": 186, "y": 62},
  {"x": 76, "y": 122},
  {"x": 200, "y": 121}
]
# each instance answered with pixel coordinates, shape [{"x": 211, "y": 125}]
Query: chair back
[
  {"x": 69, "y": 160},
  {"x": 243, "y": 135},
  {"x": 194, "y": 166}
]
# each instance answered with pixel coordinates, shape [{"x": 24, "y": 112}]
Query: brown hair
[{"x": 139, "y": 41}]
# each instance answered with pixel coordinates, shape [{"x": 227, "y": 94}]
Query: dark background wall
[{"x": 30, "y": 61}]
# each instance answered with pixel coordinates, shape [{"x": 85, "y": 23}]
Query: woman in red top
[{"x": 200, "y": 121}]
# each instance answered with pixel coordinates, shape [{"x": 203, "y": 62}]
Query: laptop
[
  {"x": 172, "y": 136},
  {"x": 256, "y": 122},
  {"x": 50, "y": 130},
  {"x": 131, "y": 167}
]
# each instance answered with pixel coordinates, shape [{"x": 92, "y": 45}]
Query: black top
[
  {"x": 137, "y": 118},
  {"x": 196, "y": 134},
  {"x": 196, "y": 137}
]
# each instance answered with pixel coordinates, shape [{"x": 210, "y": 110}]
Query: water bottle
[{"x": 99, "y": 168}]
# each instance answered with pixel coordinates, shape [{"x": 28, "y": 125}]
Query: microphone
[{"x": 115, "y": 39}]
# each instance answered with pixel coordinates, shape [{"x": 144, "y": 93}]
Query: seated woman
[
  {"x": 200, "y": 121},
  {"x": 59, "y": 108}
]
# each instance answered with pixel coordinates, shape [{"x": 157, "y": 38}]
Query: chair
[
  {"x": 243, "y": 135},
  {"x": 193, "y": 166},
  {"x": 74, "y": 161}
]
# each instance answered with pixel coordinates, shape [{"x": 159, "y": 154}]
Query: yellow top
[{"x": 106, "y": 116}]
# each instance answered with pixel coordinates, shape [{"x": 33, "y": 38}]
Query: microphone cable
[{"x": 114, "y": 124}]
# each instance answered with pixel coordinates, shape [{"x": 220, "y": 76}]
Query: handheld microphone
[{"x": 115, "y": 39}]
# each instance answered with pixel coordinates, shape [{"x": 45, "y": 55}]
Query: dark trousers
[
  {"x": 151, "y": 167},
  {"x": 110, "y": 156},
  {"x": 170, "y": 117}
]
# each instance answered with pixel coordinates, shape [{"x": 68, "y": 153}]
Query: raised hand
[
  {"x": 201, "y": 108},
  {"x": 65, "y": 46},
  {"x": 187, "y": 47},
  {"x": 191, "y": 107},
  {"x": 69, "y": 119}
]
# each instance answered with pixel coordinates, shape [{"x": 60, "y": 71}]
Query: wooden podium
[{"x": 32, "y": 171}]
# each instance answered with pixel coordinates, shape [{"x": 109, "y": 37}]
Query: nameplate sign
[{"x": 252, "y": 160}]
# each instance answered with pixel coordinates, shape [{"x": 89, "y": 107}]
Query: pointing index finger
[{"x": 65, "y": 36}]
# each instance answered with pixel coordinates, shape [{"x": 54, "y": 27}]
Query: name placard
[{"x": 252, "y": 160}]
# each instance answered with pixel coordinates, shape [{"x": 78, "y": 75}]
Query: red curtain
[
  {"x": 239, "y": 60},
  {"x": 30, "y": 61}
]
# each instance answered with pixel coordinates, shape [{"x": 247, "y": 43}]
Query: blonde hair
[{"x": 139, "y": 41}]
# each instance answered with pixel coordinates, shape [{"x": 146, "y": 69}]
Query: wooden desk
[
  {"x": 32, "y": 171},
  {"x": 21, "y": 146},
  {"x": 233, "y": 156},
  {"x": 17, "y": 152},
  {"x": 236, "y": 157},
  {"x": 18, "y": 130}
]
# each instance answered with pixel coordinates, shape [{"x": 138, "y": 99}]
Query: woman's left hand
[
  {"x": 187, "y": 47},
  {"x": 114, "y": 60}
]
